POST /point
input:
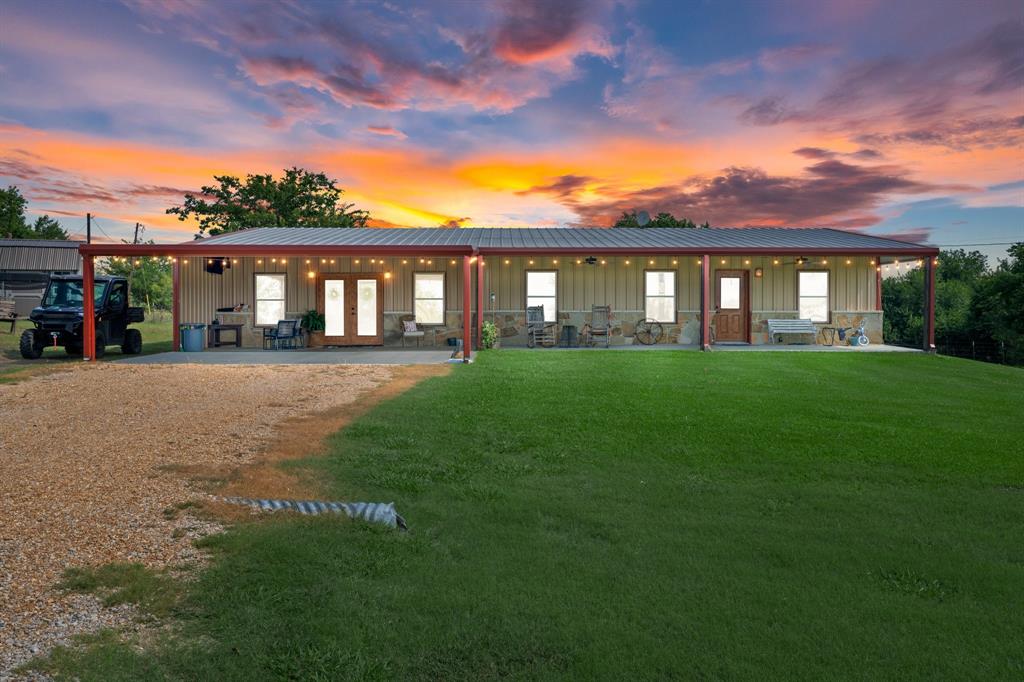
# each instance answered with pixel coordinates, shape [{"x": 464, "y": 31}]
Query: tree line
[
  {"x": 977, "y": 308},
  {"x": 14, "y": 224}
]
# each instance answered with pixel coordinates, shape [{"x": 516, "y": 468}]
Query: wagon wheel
[{"x": 648, "y": 332}]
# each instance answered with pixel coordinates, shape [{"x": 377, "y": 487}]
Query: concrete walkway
[{"x": 349, "y": 356}]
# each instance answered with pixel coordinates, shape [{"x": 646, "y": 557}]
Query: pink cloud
[{"x": 386, "y": 131}]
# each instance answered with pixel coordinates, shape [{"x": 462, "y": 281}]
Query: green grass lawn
[
  {"x": 156, "y": 338},
  {"x": 638, "y": 515}
]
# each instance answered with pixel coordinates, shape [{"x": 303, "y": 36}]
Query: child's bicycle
[{"x": 857, "y": 338}]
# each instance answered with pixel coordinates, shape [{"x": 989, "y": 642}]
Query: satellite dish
[{"x": 642, "y": 218}]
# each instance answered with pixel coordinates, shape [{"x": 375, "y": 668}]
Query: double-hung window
[
  {"x": 269, "y": 299},
  {"x": 812, "y": 292},
  {"x": 542, "y": 289},
  {"x": 428, "y": 297},
  {"x": 660, "y": 295}
]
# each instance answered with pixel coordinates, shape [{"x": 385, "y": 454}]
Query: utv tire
[
  {"x": 132, "y": 342},
  {"x": 30, "y": 346},
  {"x": 101, "y": 345}
]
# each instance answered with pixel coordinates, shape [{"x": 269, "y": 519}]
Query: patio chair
[
  {"x": 537, "y": 330},
  {"x": 600, "y": 324},
  {"x": 410, "y": 330},
  {"x": 287, "y": 334}
]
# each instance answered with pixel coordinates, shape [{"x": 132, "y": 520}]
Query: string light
[
  {"x": 507, "y": 261},
  {"x": 273, "y": 260},
  {"x": 332, "y": 261},
  {"x": 356, "y": 261},
  {"x": 775, "y": 261},
  {"x": 872, "y": 261},
  {"x": 603, "y": 262},
  {"x": 387, "y": 275},
  {"x": 824, "y": 261},
  {"x": 373, "y": 261},
  {"x": 746, "y": 262},
  {"x": 627, "y": 261},
  {"x": 405, "y": 262},
  {"x": 578, "y": 261},
  {"x": 323, "y": 260},
  {"x": 423, "y": 260},
  {"x": 307, "y": 261},
  {"x": 723, "y": 261},
  {"x": 650, "y": 262},
  {"x": 210, "y": 261},
  {"x": 453, "y": 261},
  {"x": 235, "y": 261},
  {"x": 675, "y": 262},
  {"x": 847, "y": 261},
  {"x": 531, "y": 262},
  {"x": 554, "y": 261}
]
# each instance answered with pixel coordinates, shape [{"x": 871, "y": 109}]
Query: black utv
[{"x": 58, "y": 319}]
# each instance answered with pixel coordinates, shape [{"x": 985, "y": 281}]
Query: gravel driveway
[{"x": 88, "y": 461}]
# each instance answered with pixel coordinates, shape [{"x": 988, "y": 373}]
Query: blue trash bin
[{"x": 192, "y": 337}]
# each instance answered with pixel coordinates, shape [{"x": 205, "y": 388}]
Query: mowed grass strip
[{"x": 624, "y": 515}]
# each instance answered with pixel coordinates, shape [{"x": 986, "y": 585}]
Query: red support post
[
  {"x": 467, "y": 298},
  {"x": 479, "y": 301},
  {"x": 88, "y": 309},
  {"x": 929, "y": 305},
  {"x": 175, "y": 305},
  {"x": 705, "y": 302},
  {"x": 878, "y": 284}
]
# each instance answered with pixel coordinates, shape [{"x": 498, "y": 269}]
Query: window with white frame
[
  {"x": 660, "y": 295},
  {"x": 542, "y": 289},
  {"x": 428, "y": 297},
  {"x": 812, "y": 292},
  {"x": 269, "y": 299}
]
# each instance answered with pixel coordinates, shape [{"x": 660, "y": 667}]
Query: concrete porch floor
[{"x": 320, "y": 356}]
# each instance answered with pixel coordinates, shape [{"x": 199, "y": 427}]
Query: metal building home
[{"x": 703, "y": 286}]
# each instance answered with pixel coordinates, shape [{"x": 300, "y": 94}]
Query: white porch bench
[{"x": 778, "y": 327}]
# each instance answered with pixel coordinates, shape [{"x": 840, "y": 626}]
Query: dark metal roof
[
  {"x": 39, "y": 255},
  {"x": 573, "y": 239}
]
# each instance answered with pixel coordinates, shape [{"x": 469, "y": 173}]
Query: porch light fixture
[
  {"x": 387, "y": 275},
  {"x": 723, "y": 261},
  {"x": 758, "y": 272},
  {"x": 311, "y": 274}
]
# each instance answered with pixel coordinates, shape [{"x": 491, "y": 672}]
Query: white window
[
  {"x": 812, "y": 289},
  {"x": 428, "y": 297},
  {"x": 660, "y": 295},
  {"x": 542, "y": 289},
  {"x": 269, "y": 299}
]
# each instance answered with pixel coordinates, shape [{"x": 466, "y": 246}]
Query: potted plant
[{"x": 313, "y": 323}]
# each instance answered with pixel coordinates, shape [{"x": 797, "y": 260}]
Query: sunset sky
[{"x": 894, "y": 118}]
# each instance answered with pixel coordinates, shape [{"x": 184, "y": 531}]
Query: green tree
[
  {"x": 46, "y": 227},
  {"x": 997, "y": 310},
  {"x": 631, "y": 219},
  {"x": 12, "y": 213},
  {"x": 151, "y": 284},
  {"x": 14, "y": 224},
  {"x": 298, "y": 199}
]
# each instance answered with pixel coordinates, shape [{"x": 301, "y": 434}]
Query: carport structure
[{"x": 693, "y": 281}]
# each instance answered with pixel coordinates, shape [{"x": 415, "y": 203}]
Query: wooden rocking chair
[{"x": 537, "y": 330}]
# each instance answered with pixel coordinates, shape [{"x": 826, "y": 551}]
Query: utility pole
[
  {"x": 88, "y": 228},
  {"x": 131, "y": 260}
]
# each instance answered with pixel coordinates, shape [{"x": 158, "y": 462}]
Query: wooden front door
[
  {"x": 353, "y": 309},
  {"x": 732, "y": 305}
]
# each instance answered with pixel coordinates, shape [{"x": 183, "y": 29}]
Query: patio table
[{"x": 213, "y": 335}]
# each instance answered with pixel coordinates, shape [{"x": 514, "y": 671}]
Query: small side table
[
  {"x": 569, "y": 338},
  {"x": 828, "y": 335},
  {"x": 213, "y": 339}
]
